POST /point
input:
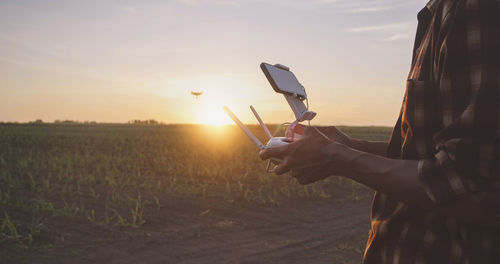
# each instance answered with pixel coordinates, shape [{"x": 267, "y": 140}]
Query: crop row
[{"x": 121, "y": 174}]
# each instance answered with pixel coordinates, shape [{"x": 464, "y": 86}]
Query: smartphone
[{"x": 283, "y": 80}]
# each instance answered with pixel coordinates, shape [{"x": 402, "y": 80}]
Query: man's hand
[
  {"x": 305, "y": 159},
  {"x": 334, "y": 134},
  {"x": 374, "y": 147},
  {"x": 314, "y": 158}
]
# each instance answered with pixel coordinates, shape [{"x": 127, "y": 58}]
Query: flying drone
[{"x": 196, "y": 94}]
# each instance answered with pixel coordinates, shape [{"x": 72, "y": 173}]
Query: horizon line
[{"x": 157, "y": 123}]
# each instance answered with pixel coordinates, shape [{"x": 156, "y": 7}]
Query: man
[{"x": 437, "y": 181}]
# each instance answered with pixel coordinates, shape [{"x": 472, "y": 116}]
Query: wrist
[
  {"x": 378, "y": 148},
  {"x": 358, "y": 144},
  {"x": 341, "y": 159}
]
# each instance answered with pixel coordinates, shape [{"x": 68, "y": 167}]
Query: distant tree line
[
  {"x": 75, "y": 122},
  {"x": 144, "y": 122}
]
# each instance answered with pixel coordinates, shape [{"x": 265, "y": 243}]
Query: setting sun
[{"x": 209, "y": 112}]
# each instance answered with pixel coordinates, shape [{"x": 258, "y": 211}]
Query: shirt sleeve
[{"x": 467, "y": 155}]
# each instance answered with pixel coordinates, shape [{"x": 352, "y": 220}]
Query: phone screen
[{"x": 282, "y": 81}]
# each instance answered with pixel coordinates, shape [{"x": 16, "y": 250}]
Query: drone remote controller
[
  {"x": 283, "y": 81},
  {"x": 273, "y": 141}
]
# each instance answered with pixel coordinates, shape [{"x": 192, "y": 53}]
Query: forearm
[
  {"x": 373, "y": 147},
  {"x": 399, "y": 179}
]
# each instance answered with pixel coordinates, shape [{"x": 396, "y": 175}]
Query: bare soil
[{"x": 191, "y": 230}]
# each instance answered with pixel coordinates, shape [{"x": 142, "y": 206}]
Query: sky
[{"x": 115, "y": 61}]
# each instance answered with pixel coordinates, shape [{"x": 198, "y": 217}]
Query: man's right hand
[
  {"x": 374, "y": 147},
  {"x": 334, "y": 134}
]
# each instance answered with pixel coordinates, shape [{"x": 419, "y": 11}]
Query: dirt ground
[{"x": 332, "y": 230}]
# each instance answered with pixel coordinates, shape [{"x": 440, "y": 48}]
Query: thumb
[{"x": 275, "y": 152}]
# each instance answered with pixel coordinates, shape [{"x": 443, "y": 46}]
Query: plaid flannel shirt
[{"x": 450, "y": 123}]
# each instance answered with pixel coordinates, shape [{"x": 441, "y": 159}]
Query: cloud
[
  {"x": 230, "y": 3},
  {"x": 128, "y": 9},
  {"x": 363, "y": 6},
  {"x": 368, "y": 9},
  {"x": 396, "y": 37},
  {"x": 391, "y": 32},
  {"x": 393, "y": 27},
  {"x": 334, "y": 1},
  {"x": 335, "y": 6}
]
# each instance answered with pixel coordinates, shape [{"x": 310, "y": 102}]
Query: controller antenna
[{"x": 268, "y": 133}]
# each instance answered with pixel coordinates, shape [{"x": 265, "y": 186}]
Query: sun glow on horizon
[
  {"x": 77, "y": 60},
  {"x": 210, "y": 112}
]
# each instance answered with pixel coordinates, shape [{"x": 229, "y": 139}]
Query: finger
[
  {"x": 284, "y": 166},
  {"x": 317, "y": 135},
  {"x": 310, "y": 175},
  {"x": 275, "y": 152},
  {"x": 309, "y": 169},
  {"x": 309, "y": 165}
]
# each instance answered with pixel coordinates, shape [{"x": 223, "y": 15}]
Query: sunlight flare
[{"x": 209, "y": 111}]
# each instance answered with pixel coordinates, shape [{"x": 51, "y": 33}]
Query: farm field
[{"x": 123, "y": 193}]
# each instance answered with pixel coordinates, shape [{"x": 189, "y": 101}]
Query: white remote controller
[
  {"x": 277, "y": 142},
  {"x": 273, "y": 142}
]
